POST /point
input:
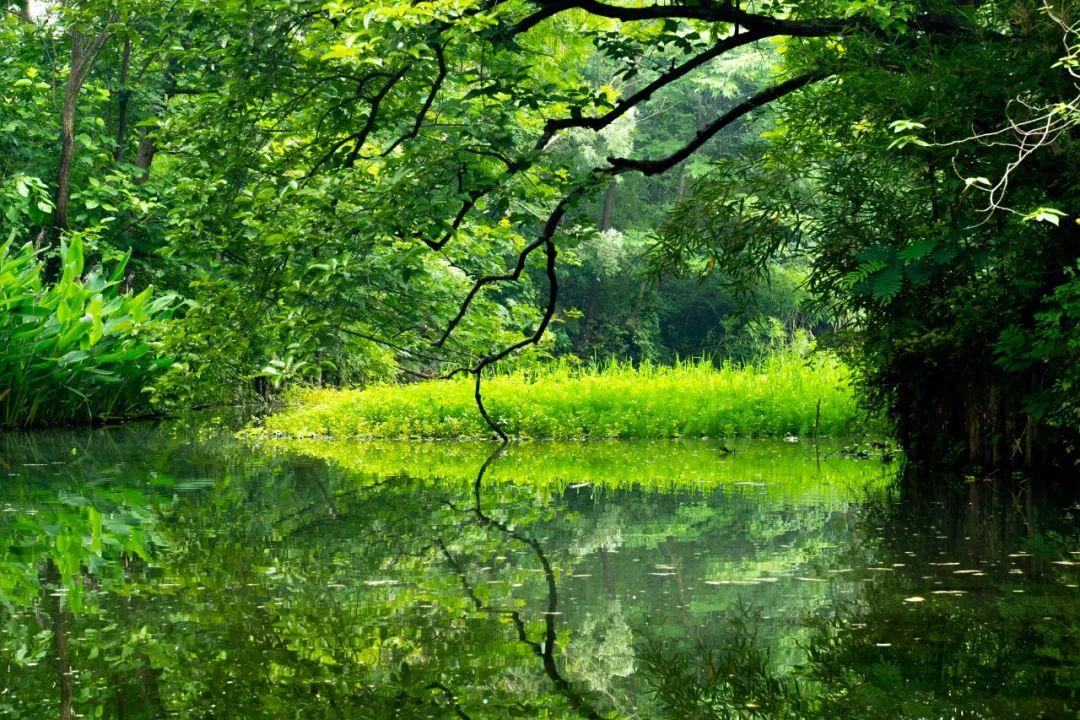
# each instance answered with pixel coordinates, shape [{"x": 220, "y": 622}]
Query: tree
[{"x": 872, "y": 181}]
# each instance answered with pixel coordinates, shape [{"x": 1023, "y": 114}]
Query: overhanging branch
[{"x": 654, "y": 167}]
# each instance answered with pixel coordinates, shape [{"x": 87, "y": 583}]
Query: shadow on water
[{"x": 175, "y": 571}]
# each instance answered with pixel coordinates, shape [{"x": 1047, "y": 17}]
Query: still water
[{"x": 174, "y": 570}]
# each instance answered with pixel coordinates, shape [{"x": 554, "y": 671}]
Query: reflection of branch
[
  {"x": 545, "y": 650},
  {"x": 450, "y": 696},
  {"x": 514, "y": 615}
]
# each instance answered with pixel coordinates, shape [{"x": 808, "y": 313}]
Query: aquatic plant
[
  {"x": 78, "y": 349},
  {"x": 782, "y": 394}
]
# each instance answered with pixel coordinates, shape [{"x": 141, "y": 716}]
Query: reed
[{"x": 782, "y": 394}]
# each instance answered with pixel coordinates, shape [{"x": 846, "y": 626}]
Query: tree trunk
[
  {"x": 951, "y": 419},
  {"x": 144, "y": 154},
  {"x": 67, "y": 150},
  {"x": 59, "y": 617},
  {"x": 607, "y": 210},
  {"x": 122, "y": 100},
  {"x": 588, "y": 319},
  {"x": 83, "y": 54}
]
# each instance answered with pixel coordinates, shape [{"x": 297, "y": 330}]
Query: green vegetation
[
  {"x": 359, "y": 192},
  {"x": 79, "y": 349},
  {"x": 779, "y": 395}
]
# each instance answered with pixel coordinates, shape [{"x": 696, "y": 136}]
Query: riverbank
[{"x": 779, "y": 396}]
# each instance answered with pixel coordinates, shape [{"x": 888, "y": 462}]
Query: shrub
[{"x": 78, "y": 350}]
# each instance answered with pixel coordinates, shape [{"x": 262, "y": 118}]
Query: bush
[{"x": 78, "y": 350}]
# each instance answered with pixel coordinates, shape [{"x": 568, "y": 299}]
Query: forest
[{"x": 485, "y": 298}]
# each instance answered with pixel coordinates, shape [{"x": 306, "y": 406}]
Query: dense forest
[{"x": 211, "y": 202}]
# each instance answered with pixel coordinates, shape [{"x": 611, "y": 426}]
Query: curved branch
[
  {"x": 710, "y": 11},
  {"x": 659, "y": 165},
  {"x": 360, "y": 136},
  {"x": 488, "y": 280},
  {"x": 679, "y": 71},
  {"x": 546, "y": 240},
  {"x": 436, "y": 85}
]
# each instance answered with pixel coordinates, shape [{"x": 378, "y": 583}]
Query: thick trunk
[
  {"x": 144, "y": 155},
  {"x": 67, "y": 153},
  {"x": 588, "y": 319},
  {"x": 84, "y": 52},
  {"x": 150, "y": 689}
]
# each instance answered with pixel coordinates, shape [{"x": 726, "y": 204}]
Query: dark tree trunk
[
  {"x": 67, "y": 153},
  {"x": 122, "y": 99},
  {"x": 144, "y": 154},
  {"x": 973, "y": 418},
  {"x": 592, "y": 303}
]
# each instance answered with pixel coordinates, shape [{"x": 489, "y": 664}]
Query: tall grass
[
  {"x": 76, "y": 350},
  {"x": 776, "y": 396}
]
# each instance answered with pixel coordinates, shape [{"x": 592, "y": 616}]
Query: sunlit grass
[{"x": 777, "y": 396}]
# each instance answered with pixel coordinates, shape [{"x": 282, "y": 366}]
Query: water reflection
[{"x": 174, "y": 571}]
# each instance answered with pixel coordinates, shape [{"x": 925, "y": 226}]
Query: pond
[{"x": 174, "y": 570}]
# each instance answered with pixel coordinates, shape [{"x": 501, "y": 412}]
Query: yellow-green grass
[{"x": 780, "y": 395}]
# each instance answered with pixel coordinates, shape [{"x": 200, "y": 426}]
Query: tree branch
[
  {"x": 710, "y": 11},
  {"x": 655, "y": 167}
]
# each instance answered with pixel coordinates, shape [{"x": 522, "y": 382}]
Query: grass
[{"x": 774, "y": 397}]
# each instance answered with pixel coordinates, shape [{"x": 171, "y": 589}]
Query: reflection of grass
[
  {"x": 757, "y": 467},
  {"x": 776, "y": 396}
]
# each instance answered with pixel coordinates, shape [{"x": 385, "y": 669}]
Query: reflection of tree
[
  {"x": 731, "y": 676},
  {"x": 948, "y": 631},
  {"x": 301, "y": 586},
  {"x": 64, "y": 549}
]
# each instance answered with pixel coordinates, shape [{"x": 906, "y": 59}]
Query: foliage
[
  {"x": 1049, "y": 348},
  {"x": 347, "y": 193},
  {"x": 683, "y": 466},
  {"x": 80, "y": 349},
  {"x": 775, "y": 396},
  {"x": 863, "y": 180}
]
